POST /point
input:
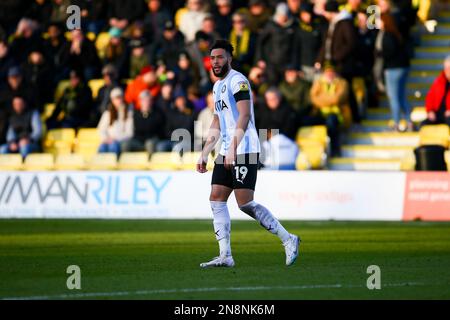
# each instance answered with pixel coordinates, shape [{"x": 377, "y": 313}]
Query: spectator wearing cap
[
  {"x": 191, "y": 20},
  {"x": 81, "y": 54},
  {"x": 148, "y": 126},
  {"x": 275, "y": 113},
  {"x": 139, "y": 57},
  {"x": 296, "y": 92},
  {"x": 147, "y": 79},
  {"x": 437, "y": 101},
  {"x": 25, "y": 129},
  {"x": 155, "y": 19},
  {"x": 243, "y": 42},
  {"x": 308, "y": 41},
  {"x": 116, "y": 124},
  {"x": 329, "y": 96},
  {"x": 122, "y": 13},
  {"x": 111, "y": 79},
  {"x": 75, "y": 107},
  {"x": 116, "y": 52},
  {"x": 179, "y": 122},
  {"x": 222, "y": 11},
  {"x": 17, "y": 85},
  {"x": 168, "y": 46},
  {"x": 258, "y": 14},
  {"x": 275, "y": 43}
]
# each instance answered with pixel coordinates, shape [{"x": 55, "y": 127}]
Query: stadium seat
[
  {"x": 10, "y": 162},
  {"x": 312, "y": 135},
  {"x": 165, "y": 161},
  {"x": 59, "y": 141},
  {"x": 87, "y": 142},
  {"x": 39, "y": 162},
  {"x": 134, "y": 161},
  {"x": 70, "y": 162},
  {"x": 189, "y": 160},
  {"x": 62, "y": 85},
  {"x": 103, "y": 161},
  {"x": 435, "y": 134},
  {"x": 96, "y": 85},
  {"x": 302, "y": 162},
  {"x": 315, "y": 155}
]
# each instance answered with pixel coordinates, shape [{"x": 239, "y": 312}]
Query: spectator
[
  {"x": 148, "y": 124},
  {"x": 279, "y": 152},
  {"x": 139, "y": 57},
  {"x": 40, "y": 11},
  {"x": 197, "y": 101},
  {"x": 39, "y": 74},
  {"x": 165, "y": 99},
  {"x": 147, "y": 79},
  {"x": 75, "y": 107},
  {"x": 223, "y": 11},
  {"x": 276, "y": 114},
  {"x": 59, "y": 12},
  {"x": 81, "y": 54},
  {"x": 308, "y": 40},
  {"x": 243, "y": 42},
  {"x": 204, "y": 120},
  {"x": 116, "y": 52},
  {"x": 7, "y": 61},
  {"x": 185, "y": 73},
  {"x": 25, "y": 129},
  {"x": 25, "y": 39},
  {"x": 396, "y": 68},
  {"x": 257, "y": 77},
  {"x": 339, "y": 48},
  {"x": 329, "y": 95},
  {"x": 437, "y": 102},
  {"x": 168, "y": 47},
  {"x": 275, "y": 43},
  {"x": 54, "y": 47},
  {"x": 296, "y": 92},
  {"x": 294, "y": 7},
  {"x": 122, "y": 13},
  {"x": 191, "y": 20},
  {"x": 258, "y": 14},
  {"x": 93, "y": 14},
  {"x": 180, "y": 124},
  {"x": 111, "y": 78},
  {"x": 116, "y": 124},
  {"x": 209, "y": 27},
  {"x": 16, "y": 85},
  {"x": 155, "y": 20}
]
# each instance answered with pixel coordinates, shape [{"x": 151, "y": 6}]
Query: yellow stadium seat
[
  {"x": 302, "y": 162},
  {"x": 87, "y": 142},
  {"x": 103, "y": 161},
  {"x": 62, "y": 85},
  {"x": 39, "y": 162},
  {"x": 315, "y": 155},
  {"x": 165, "y": 161},
  {"x": 435, "y": 134},
  {"x": 9, "y": 162},
  {"x": 133, "y": 161},
  {"x": 189, "y": 161},
  {"x": 312, "y": 135},
  {"x": 59, "y": 141},
  {"x": 70, "y": 162},
  {"x": 101, "y": 43},
  {"x": 96, "y": 85},
  {"x": 91, "y": 36}
]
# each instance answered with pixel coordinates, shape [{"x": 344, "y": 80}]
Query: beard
[{"x": 223, "y": 71}]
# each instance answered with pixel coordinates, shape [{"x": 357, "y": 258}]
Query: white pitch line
[{"x": 193, "y": 290}]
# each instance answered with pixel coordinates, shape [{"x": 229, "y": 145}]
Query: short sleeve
[{"x": 240, "y": 88}]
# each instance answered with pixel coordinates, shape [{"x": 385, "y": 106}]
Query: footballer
[{"x": 235, "y": 168}]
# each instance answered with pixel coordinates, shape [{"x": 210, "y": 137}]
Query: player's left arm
[{"x": 243, "y": 105}]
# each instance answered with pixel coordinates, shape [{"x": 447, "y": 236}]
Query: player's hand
[
  {"x": 201, "y": 164},
  {"x": 230, "y": 159}
]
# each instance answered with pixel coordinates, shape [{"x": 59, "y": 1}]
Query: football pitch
[{"x": 159, "y": 259}]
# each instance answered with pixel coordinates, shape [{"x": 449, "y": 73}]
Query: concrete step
[
  {"x": 443, "y": 28},
  {"x": 349, "y": 164},
  {"x": 384, "y": 139},
  {"x": 413, "y": 102},
  {"x": 376, "y": 152},
  {"x": 436, "y": 41},
  {"x": 418, "y": 114},
  {"x": 438, "y": 52}
]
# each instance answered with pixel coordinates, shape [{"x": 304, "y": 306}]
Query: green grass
[{"x": 139, "y": 257}]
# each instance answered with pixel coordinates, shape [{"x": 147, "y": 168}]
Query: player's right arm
[{"x": 211, "y": 141}]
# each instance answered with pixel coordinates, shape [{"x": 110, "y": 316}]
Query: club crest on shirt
[
  {"x": 224, "y": 88},
  {"x": 243, "y": 86}
]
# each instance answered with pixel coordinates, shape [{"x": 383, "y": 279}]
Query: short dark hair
[{"x": 222, "y": 44}]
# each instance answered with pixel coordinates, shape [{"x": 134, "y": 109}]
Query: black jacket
[
  {"x": 307, "y": 43},
  {"x": 149, "y": 125},
  {"x": 282, "y": 118},
  {"x": 395, "y": 53}
]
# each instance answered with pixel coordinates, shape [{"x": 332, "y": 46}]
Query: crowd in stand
[{"x": 309, "y": 63}]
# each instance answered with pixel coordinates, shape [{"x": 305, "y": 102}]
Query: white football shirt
[{"x": 226, "y": 109}]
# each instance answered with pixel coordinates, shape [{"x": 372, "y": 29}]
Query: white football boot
[
  {"x": 291, "y": 247},
  {"x": 227, "y": 262}
]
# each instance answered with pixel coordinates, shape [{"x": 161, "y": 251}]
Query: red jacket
[{"x": 436, "y": 94}]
